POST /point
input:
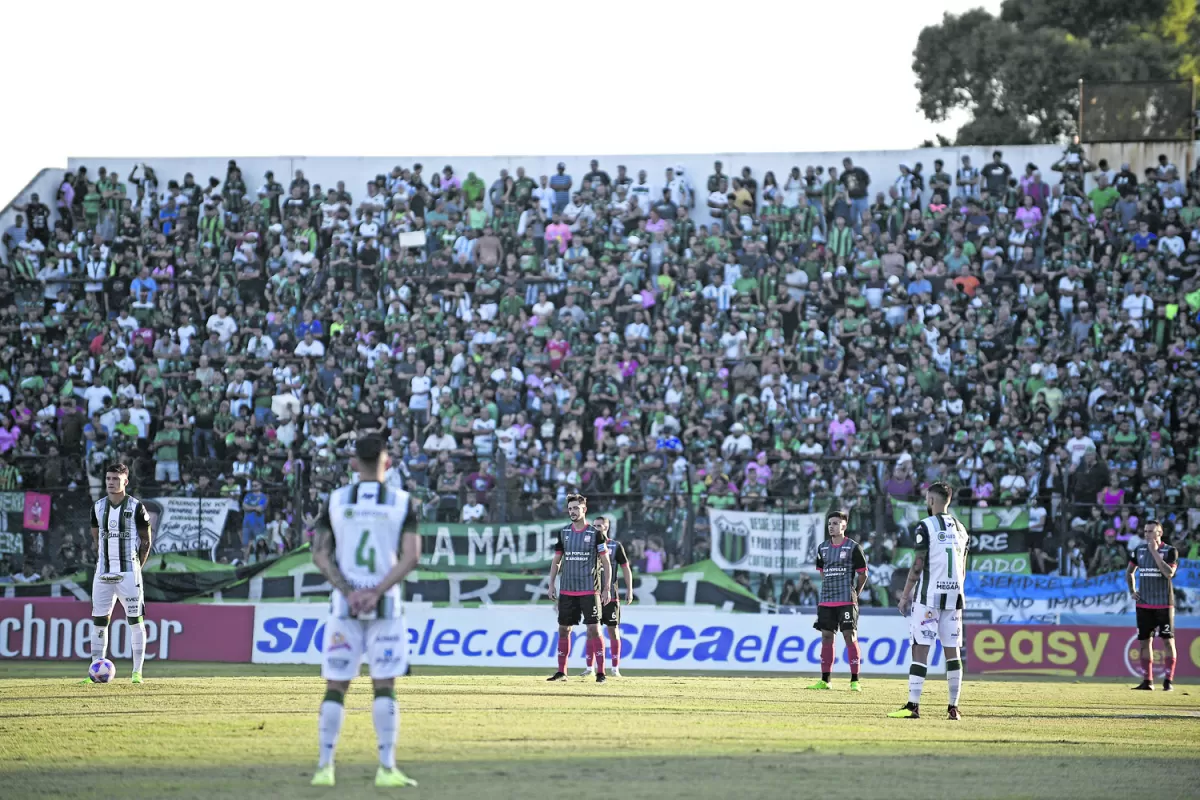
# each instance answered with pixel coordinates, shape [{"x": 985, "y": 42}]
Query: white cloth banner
[
  {"x": 651, "y": 638},
  {"x": 759, "y": 541},
  {"x": 182, "y": 524}
]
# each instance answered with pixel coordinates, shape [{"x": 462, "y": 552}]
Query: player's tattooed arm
[{"x": 324, "y": 561}]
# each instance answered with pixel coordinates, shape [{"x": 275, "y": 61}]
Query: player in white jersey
[
  {"x": 121, "y": 533},
  {"x": 366, "y": 543},
  {"x": 935, "y": 609}
]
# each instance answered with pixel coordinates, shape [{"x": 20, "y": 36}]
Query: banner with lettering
[
  {"x": 759, "y": 541},
  {"x": 993, "y": 518},
  {"x": 294, "y": 578},
  {"x": 13, "y": 518},
  {"x": 450, "y": 547},
  {"x": 185, "y": 524},
  {"x": 1072, "y": 651},
  {"x": 1055, "y": 587}
]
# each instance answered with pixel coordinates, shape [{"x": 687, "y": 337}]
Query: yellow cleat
[
  {"x": 136, "y": 678},
  {"x": 910, "y": 711},
  {"x": 385, "y": 777},
  {"x": 324, "y": 776}
]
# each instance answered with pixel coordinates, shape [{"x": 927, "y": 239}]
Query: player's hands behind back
[{"x": 363, "y": 600}]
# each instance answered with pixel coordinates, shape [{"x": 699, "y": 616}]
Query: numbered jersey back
[
  {"x": 943, "y": 541},
  {"x": 368, "y": 521}
]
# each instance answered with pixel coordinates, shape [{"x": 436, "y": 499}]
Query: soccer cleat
[
  {"x": 558, "y": 676},
  {"x": 385, "y": 777},
  {"x": 587, "y": 673},
  {"x": 615, "y": 672},
  {"x": 910, "y": 711},
  {"x": 86, "y": 681},
  {"x": 953, "y": 713},
  {"x": 135, "y": 677},
  {"x": 1168, "y": 685},
  {"x": 820, "y": 685},
  {"x": 324, "y": 776},
  {"x": 600, "y": 677},
  {"x": 855, "y": 686},
  {"x": 1144, "y": 686}
]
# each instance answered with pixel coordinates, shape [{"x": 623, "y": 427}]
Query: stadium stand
[{"x": 746, "y": 339}]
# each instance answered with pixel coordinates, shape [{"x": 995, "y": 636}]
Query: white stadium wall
[{"x": 357, "y": 171}]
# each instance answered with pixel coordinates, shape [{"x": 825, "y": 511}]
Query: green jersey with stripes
[
  {"x": 121, "y": 527},
  {"x": 368, "y": 521},
  {"x": 943, "y": 541}
]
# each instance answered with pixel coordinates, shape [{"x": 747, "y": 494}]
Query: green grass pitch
[{"x": 213, "y": 731}]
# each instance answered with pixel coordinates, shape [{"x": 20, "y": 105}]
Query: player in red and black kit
[
  {"x": 843, "y": 568},
  {"x": 610, "y": 615},
  {"x": 1151, "y": 568},
  {"x": 584, "y": 579}
]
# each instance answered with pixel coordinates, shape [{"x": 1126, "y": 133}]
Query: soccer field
[{"x": 209, "y": 731}]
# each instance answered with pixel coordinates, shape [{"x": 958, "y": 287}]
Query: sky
[{"x": 367, "y": 78}]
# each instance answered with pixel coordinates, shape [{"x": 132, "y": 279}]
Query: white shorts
[
  {"x": 384, "y": 643},
  {"x": 108, "y": 587},
  {"x": 929, "y": 625}
]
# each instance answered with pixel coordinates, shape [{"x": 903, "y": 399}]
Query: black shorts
[
  {"x": 575, "y": 607},
  {"x": 610, "y": 615},
  {"x": 1160, "y": 619},
  {"x": 837, "y": 618}
]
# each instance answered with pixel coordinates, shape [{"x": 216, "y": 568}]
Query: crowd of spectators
[{"x": 740, "y": 340}]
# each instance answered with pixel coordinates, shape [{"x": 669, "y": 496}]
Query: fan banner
[{"x": 759, "y": 541}]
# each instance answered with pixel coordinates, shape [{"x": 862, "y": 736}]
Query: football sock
[
  {"x": 589, "y": 655},
  {"x": 852, "y": 653},
  {"x": 387, "y": 724},
  {"x": 916, "y": 682},
  {"x": 1169, "y": 666},
  {"x": 329, "y": 724},
  {"x": 137, "y": 642},
  {"x": 615, "y": 646},
  {"x": 954, "y": 672},
  {"x": 564, "y": 650},
  {"x": 99, "y": 642},
  {"x": 826, "y": 658},
  {"x": 596, "y": 645},
  {"x": 1148, "y": 660}
]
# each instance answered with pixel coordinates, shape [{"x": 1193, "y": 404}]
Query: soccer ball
[{"x": 102, "y": 671}]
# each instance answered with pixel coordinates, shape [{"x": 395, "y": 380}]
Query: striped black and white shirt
[{"x": 121, "y": 526}]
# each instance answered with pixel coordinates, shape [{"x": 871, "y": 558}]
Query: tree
[{"x": 1018, "y": 73}]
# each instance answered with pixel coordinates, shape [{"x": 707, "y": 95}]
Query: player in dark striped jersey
[
  {"x": 585, "y": 575},
  {"x": 1151, "y": 569},
  {"x": 843, "y": 568},
  {"x": 610, "y": 615}
]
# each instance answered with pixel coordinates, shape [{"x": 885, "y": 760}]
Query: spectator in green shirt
[
  {"x": 166, "y": 452},
  {"x": 1103, "y": 196}
]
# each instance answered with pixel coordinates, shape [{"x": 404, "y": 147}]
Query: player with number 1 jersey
[{"x": 933, "y": 598}]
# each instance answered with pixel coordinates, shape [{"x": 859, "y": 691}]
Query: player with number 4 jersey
[
  {"x": 367, "y": 543},
  {"x": 933, "y": 598}
]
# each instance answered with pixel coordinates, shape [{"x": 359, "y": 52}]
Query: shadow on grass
[{"x": 832, "y": 773}]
